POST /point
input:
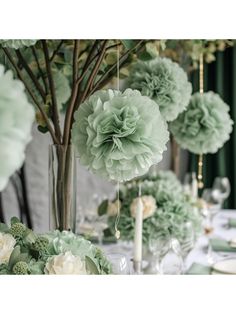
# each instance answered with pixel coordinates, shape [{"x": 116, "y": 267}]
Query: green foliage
[{"x": 102, "y": 208}]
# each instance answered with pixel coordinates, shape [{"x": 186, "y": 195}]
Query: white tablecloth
[{"x": 199, "y": 253}]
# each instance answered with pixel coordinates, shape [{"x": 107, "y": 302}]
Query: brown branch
[
  {"x": 40, "y": 69},
  {"x": 69, "y": 112},
  {"x": 105, "y": 78},
  {"x": 87, "y": 65},
  {"x": 56, "y": 119},
  {"x": 18, "y": 71},
  {"x": 94, "y": 72},
  {"x": 56, "y": 51},
  {"x": 31, "y": 74}
]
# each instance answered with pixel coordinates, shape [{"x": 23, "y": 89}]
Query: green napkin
[
  {"x": 232, "y": 222},
  {"x": 220, "y": 245},
  {"x": 199, "y": 269}
]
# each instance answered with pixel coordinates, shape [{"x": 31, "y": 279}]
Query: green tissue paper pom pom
[
  {"x": 205, "y": 126},
  {"x": 119, "y": 136},
  {"x": 165, "y": 82},
  {"x": 20, "y": 268},
  {"x": 18, "y": 230}
]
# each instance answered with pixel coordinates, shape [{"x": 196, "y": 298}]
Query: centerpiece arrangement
[
  {"x": 165, "y": 208},
  {"x": 22, "y": 252}
]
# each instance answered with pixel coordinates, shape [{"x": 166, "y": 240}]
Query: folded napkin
[
  {"x": 199, "y": 269},
  {"x": 232, "y": 222},
  {"x": 221, "y": 245}
]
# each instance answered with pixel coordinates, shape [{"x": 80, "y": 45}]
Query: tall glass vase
[{"x": 62, "y": 188}]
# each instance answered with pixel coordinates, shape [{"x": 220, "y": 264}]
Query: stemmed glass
[
  {"x": 221, "y": 189},
  {"x": 190, "y": 184},
  {"x": 187, "y": 239},
  {"x": 212, "y": 207},
  {"x": 158, "y": 246},
  {"x": 120, "y": 264},
  {"x": 172, "y": 263}
]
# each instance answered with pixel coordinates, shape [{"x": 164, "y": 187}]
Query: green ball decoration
[
  {"x": 17, "y": 43},
  {"x": 205, "y": 126},
  {"x": 41, "y": 244},
  {"x": 18, "y": 230},
  {"x": 20, "y": 268},
  {"x": 119, "y": 135},
  {"x": 165, "y": 82}
]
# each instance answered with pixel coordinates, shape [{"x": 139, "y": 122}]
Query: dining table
[{"x": 201, "y": 254}]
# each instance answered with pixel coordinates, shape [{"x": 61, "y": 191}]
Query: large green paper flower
[
  {"x": 165, "y": 82},
  {"x": 205, "y": 126},
  {"x": 119, "y": 135},
  {"x": 16, "y": 119},
  {"x": 17, "y": 43}
]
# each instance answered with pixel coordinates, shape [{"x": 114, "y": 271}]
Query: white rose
[
  {"x": 7, "y": 243},
  {"x": 149, "y": 206},
  {"x": 112, "y": 208},
  {"x": 65, "y": 264}
]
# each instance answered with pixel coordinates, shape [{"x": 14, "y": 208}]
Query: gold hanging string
[
  {"x": 117, "y": 231},
  {"x": 201, "y": 90}
]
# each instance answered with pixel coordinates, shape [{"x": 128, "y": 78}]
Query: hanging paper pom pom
[
  {"x": 205, "y": 126},
  {"x": 17, "y": 43},
  {"x": 16, "y": 119},
  {"x": 165, "y": 82},
  {"x": 119, "y": 135}
]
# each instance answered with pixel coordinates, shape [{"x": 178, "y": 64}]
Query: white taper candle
[{"x": 138, "y": 231}]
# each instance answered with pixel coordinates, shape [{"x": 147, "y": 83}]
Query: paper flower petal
[{"x": 119, "y": 135}]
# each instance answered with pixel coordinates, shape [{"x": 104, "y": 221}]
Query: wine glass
[
  {"x": 190, "y": 184},
  {"x": 221, "y": 189},
  {"x": 120, "y": 264},
  {"x": 158, "y": 246},
  {"x": 187, "y": 239},
  {"x": 172, "y": 263}
]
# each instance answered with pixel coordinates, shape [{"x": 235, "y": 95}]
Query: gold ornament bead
[
  {"x": 117, "y": 234},
  {"x": 200, "y": 185}
]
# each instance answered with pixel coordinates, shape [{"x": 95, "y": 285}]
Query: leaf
[
  {"x": 102, "y": 208},
  {"x": 29, "y": 237},
  {"x": 145, "y": 56},
  {"x": 91, "y": 266},
  {"x": 14, "y": 220},
  {"x": 128, "y": 43},
  {"x": 42, "y": 129},
  {"x": 3, "y": 227},
  {"x": 14, "y": 256}
]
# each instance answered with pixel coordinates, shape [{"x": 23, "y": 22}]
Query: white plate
[{"x": 227, "y": 266}]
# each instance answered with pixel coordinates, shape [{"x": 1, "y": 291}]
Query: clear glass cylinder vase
[{"x": 62, "y": 188}]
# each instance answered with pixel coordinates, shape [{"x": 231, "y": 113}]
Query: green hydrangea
[
  {"x": 172, "y": 210},
  {"x": 205, "y": 126},
  {"x": 119, "y": 135},
  {"x": 18, "y": 230},
  {"x": 20, "y": 268},
  {"x": 17, "y": 43},
  {"x": 62, "y": 242},
  {"x": 165, "y": 82}
]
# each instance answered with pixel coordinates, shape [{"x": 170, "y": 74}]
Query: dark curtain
[{"x": 220, "y": 77}]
